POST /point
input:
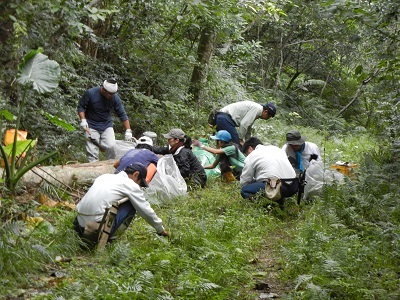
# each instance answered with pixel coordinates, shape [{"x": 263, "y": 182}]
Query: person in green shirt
[{"x": 228, "y": 155}]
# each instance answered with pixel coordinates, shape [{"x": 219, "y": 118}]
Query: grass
[{"x": 342, "y": 245}]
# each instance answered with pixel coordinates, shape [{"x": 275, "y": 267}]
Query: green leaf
[
  {"x": 38, "y": 70},
  {"x": 59, "y": 122},
  {"x": 358, "y": 70},
  {"x": 22, "y": 146},
  {"x": 7, "y": 115}
]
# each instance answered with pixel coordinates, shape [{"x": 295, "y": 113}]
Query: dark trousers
[
  {"x": 288, "y": 188},
  {"x": 225, "y": 122}
]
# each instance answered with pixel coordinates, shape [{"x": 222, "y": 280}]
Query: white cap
[
  {"x": 110, "y": 85},
  {"x": 145, "y": 140}
]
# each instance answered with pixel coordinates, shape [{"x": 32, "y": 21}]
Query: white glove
[
  {"x": 84, "y": 124},
  {"x": 128, "y": 135}
]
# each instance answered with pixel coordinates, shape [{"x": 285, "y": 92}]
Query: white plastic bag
[
  {"x": 167, "y": 183},
  {"x": 317, "y": 176},
  {"x": 121, "y": 147}
]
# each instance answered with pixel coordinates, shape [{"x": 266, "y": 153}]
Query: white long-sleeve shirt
[
  {"x": 109, "y": 188},
  {"x": 244, "y": 113},
  {"x": 265, "y": 162},
  {"x": 309, "y": 149}
]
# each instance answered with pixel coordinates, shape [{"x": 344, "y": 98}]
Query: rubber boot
[{"x": 228, "y": 176}]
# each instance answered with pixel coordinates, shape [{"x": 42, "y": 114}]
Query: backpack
[{"x": 212, "y": 117}]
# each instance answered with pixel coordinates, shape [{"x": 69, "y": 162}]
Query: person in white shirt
[
  {"x": 109, "y": 188},
  {"x": 300, "y": 152},
  {"x": 264, "y": 162},
  {"x": 242, "y": 114}
]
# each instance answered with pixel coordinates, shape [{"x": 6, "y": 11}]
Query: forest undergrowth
[{"x": 341, "y": 244}]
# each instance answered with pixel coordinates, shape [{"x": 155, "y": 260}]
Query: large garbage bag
[
  {"x": 317, "y": 176},
  {"x": 121, "y": 147},
  {"x": 167, "y": 183},
  {"x": 206, "y": 158}
]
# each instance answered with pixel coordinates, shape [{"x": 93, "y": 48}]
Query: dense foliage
[{"x": 331, "y": 66}]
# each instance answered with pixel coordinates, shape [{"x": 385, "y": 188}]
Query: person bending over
[
  {"x": 300, "y": 152},
  {"x": 143, "y": 154},
  {"x": 242, "y": 114},
  {"x": 94, "y": 110},
  {"x": 264, "y": 162},
  {"x": 106, "y": 190}
]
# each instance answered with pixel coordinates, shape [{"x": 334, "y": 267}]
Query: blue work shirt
[
  {"x": 98, "y": 109},
  {"x": 143, "y": 156}
]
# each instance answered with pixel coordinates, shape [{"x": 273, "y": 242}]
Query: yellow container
[
  {"x": 9, "y": 136},
  {"x": 346, "y": 169},
  {"x": 9, "y": 139}
]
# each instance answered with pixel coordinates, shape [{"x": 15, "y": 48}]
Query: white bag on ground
[
  {"x": 317, "y": 176},
  {"x": 167, "y": 183}
]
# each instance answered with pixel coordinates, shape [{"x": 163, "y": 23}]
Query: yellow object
[
  {"x": 9, "y": 136},
  {"x": 34, "y": 221},
  {"x": 229, "y": 177},
  {"x": 9, "y": 139},
  {"x": 346, "y": 169}
]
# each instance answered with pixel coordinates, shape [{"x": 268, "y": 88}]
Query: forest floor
[{"x": 268, "y": 285}]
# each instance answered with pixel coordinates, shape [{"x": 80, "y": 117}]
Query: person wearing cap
[
  {"x": 228, "y": 155},
  {"x": 109, "y": 188},
  {"x": 143, "y": 154},
  {"x": 242, "y": 114},
  {"x": 179, "y": 145},
  {"x": 94, "y": 110},
  {"x": 265, "y": 162},
  {"x": 300, "y": 152}
]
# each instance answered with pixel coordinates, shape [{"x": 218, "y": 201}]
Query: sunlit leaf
[
  {"x": 58, "y": 122},
  {"x": 7, "y": 115}
]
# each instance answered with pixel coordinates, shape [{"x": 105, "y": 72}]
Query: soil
[{"x": 268, "y": 285}]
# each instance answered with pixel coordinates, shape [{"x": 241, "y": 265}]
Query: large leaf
[
  {"x": 38, "y": 70},
  {"x": 7, "y": 115},
  {"x": 59, "y": 122},
  {"x": 22, "y": 146}
]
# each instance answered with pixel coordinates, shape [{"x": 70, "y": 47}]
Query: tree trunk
[
  {"x": 67, "y": 175},
  {"x": 204, "y": 54}
]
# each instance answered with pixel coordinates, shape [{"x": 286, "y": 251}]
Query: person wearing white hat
[
  {"x": 300, "y": 152},
  {"x": 94, "y": 110},
  {"x": 141, "y": 154}
]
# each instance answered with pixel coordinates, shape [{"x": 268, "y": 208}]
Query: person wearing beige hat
[
  {"x": 94, "y": 110},
  {"x": 179, "y": 145},
  {"x": 300, "y": 152}
]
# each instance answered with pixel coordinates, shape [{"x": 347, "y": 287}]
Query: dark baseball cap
[
  {"x": 138, "y": 167},
  {"x": 271, "y": 109}
]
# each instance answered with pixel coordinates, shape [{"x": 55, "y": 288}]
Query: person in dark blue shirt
[
  {"x": 94, "y": 110},
  {"x": 143, "y": 154}
]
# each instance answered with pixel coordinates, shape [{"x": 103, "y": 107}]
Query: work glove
[
  {"x": 196, "y": 143},
  {"x": 84, "y": 124},
  {"x": 128, "y": 135},
  {"x": 163, "y": 233}
]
